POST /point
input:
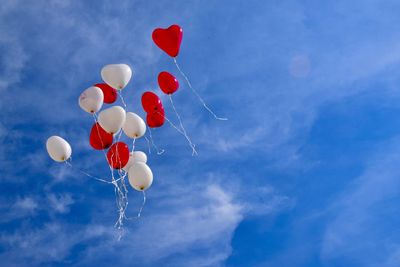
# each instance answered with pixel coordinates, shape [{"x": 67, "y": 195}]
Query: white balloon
[
  {"x": 134, "y": 126},
  {"x": 91, "y": 99},
  {"x": 140, "y": 176},
  {"x": 135, "y": 156},
  {"x": 116, "y": 75},
  {"x": 112, "y": 119},
  {"x": 139, "y": 156},
  {"x": 59, "y": 149}
]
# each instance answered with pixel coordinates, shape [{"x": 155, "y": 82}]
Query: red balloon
[
  {"x": 167, "y": 82},
  {"x": 169, "y": 40},
  {"x": 110, "y": 94},
  {"x": 151, "y": 102},
  {"x": 156, "y": 119},
  {"x": 118, "y": 155},
  {"x": 99, "y": 138}
]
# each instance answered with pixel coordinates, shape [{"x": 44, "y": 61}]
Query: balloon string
[
  {"x": 133, "y": 144},
  {"x": 121, "y": 194},
  {"x": 122, "y": 100},
  {"x": 125, "y": 195},
  {"x": 122, "y": 190},
  {"x": 172, "y": 124},
  {"x": 197, "y": 94},
  {"x": 141, "y": 207},
  {"x": 159, "y": 151},
  {"x": 87, "y": 174},
  {"x": 143, "y": 203},
  {"x": 178, "y": 130},
  {"x": 148, "y": 144},
  {"x": 194, "y": 152}
]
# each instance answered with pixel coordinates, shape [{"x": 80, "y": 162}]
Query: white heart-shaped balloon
[
  {"x": 134, "y": 126},
  {"x": 112, "y": 119},
  {"x": 91, "y": 100},
  {"x": 140, "y": 176},
  {"x": 59, "y": 149},
  {"x": 116, "y": 75},
  {"x": 135, "y": 156}
]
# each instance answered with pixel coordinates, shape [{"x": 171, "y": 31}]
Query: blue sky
[{"x": 304, "y": 172}]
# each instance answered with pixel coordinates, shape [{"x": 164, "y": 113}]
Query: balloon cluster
[
  {"x": 110, "y": 123},
  {"x": 106, "y": 132}
]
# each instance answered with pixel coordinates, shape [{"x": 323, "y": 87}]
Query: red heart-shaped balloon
[
  {"x": 99, "y": 138},
  {"x": 167, "y": 82},
  {"x": 151, "y": 102},
  {"x": 155, "y": 119},
  {"x": 110, "y": 94},
  {"x": 118, "y": 155},
  {"x": 169, "y": 40}
]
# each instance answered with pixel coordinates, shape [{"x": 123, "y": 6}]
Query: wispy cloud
[
  {"x": 358, "y": 230},
  {"x": 51, "y": 243},
  {"x": 17, "y": 207},
  {"x": 12, "y": 62},
  {"x": 60, "y": 203},
  {"x": 204, "y": 221},
  {"x": 21, "y": 207}
]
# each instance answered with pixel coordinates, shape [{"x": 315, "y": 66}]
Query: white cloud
[
  {"x": 241, "y": 140},
  {"x": 27, "y": 203},
  {"x": 264, "y": 200},
  {"x": 12, "y": 62},
  {"x": 206, "y": 219},
  {"x": 19, "y": 208},
  {"x": 29, "y": 206},
  {"x": 60, "y": 203},
  {"x": 200, "y": 218},
  {"x": 51, "y": 243},
  {"x": 359, "y": 228}
]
